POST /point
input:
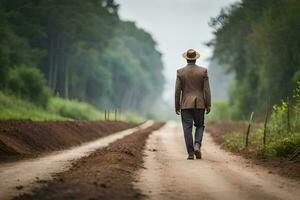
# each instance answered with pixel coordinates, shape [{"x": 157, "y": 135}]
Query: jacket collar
[{"x": 191, "y": 64}]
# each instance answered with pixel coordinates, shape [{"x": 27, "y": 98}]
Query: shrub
[
  {"x": 296, "y": 109},
  {"x": 234, "y": 141},
  {"x": 281, "y": 141},
  {"x": 132, "y": 117},
  {"x": 12, "y": 107},
  {"x": 282, "y": 145},
  {"x": 278, "y": 119},
  {"x": 73, "y": 109},
  {"x": 287, "y": 145},
  {"x": 278, "y": 122},
  {"x": 220, "y": 111},
  {"x": 30, "y": 84}
]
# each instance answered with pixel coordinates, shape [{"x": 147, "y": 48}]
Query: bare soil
[
  {"x": 25, "y": 138},
  {"x": 168, "y": 175},
  {"x": 108, "y": 173},
  {"x": 281, "y": 166}
]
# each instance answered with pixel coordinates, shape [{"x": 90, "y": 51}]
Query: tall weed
[{"x": 281, "y": 140}]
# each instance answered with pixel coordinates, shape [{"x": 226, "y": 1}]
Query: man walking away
[{"x": 192, "y": 98}]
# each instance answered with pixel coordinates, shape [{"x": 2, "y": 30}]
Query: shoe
[
  {"x": 190, "y": 157},
  {"x": 197, "y": 151}
]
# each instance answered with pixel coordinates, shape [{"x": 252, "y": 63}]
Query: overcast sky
[{"x": 175, "y": 25}]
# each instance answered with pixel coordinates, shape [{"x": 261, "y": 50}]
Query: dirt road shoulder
[
  {"x": 274, "y": 165},
  {"x": 107, "y": 173}
]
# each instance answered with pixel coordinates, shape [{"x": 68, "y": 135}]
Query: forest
[
  {"x": 78, "y": 50},
  {"x": 258, "y": 42},
  {"x": 256, "y": 47}
]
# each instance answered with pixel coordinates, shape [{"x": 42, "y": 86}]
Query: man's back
[
  {"x": 192, "y": 83},
  {"x": 192, "y": 98}
]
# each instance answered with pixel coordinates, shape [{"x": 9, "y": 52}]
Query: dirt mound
[
  {"x": 108, "y": 173},
  {"x": 26, "y": 138}
]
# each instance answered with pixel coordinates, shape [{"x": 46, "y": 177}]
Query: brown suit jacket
[{"x": 192, "y": 88}]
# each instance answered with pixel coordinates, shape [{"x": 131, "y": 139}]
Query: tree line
[
  {"x": 258, "y": 41},
  {"x": 79, "y": 50}
]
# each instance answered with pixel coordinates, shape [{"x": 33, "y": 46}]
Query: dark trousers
[{"x": 188, "y": 117}]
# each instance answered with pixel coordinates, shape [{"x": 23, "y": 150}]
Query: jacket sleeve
[
  {"x": 177, "y": 93},
  {"x": 207, "y": 94}
]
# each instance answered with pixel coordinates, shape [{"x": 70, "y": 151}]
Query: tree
[
  {"x": 259, "y": 42},
  {"x": 83, "y": 50}
]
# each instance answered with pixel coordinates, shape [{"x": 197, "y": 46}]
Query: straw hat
[{"x": 191, "y": 54}]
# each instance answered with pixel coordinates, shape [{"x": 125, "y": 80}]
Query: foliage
[
  {"x": 279, "y": 119},
  {"x": 280, "y": 145},
  {"x": 219, "y": 111},
  {"x": 283, "y": 145},
  {"x": 133, "y": 52},
  {"x": 12, "y": 107},
  {"x": 281, "y": 141},
  {"x": 295, "y": 123},
  {"x": 132, "y": 117},
  {"x": 234, "y": 141},
  {"x": 73, "y": 109},
  {"x": 84, "y": 51},
  {"x": 259, "y": 42},
  {"x": 28, "y": 83}
]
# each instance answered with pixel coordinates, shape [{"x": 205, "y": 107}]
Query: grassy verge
[
  {"x": 132, "y": 117},
  {"x": 12, "y": 107},
  {"x": 274, "y": 156},
  {"x": 282, "y": 130},
  {"x": 220, "y": 111},
  {"x": 231, "y": 134},
  {"x": 277, "y": 145},
  {"x": 74, "y": 109}
]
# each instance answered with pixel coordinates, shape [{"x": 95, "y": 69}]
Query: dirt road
[
  {"x": 219, "y": 175},
  {"x": 22, "y": 176}
]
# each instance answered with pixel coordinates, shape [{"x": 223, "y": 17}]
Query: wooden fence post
[
  {"x": 248, "y": 130},
  {"x": 288, "y": 114},
  {"x": 105, "y": 114},
  {"x": 265, "y": 126},
  {"x": 116, "y": 114}
]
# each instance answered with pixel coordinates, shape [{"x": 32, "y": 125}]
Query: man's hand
[
  {"x": 177, "y": 112},
  {"x": 207, "y": 110}
]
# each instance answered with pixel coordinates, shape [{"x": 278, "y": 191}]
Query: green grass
[
  {"x": 132, "y": 117},
  {"x": 14, "y": 108},
  {"x": 277, "y": 145},
  {"x": 234, "y": 141},
  {"x": 80, "y": 110},
  {"x": 74, "y": 109},
  {"x": 220, "y": 111},
  {"x": 283, "y": 131}
]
